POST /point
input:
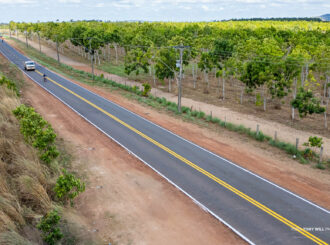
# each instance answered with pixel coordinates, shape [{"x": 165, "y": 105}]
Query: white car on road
[{"x": 29, "y": 65}]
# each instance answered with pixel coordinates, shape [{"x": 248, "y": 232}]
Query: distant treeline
[{"x": 280, "y": 19}]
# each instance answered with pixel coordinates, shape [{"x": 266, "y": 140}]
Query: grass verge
[{"x": 161, "y": 103}]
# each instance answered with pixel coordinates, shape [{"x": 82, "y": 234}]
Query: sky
[{"x": 157, "y": 10}]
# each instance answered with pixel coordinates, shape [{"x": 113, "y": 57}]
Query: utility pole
[
  {"x": 39, "y": 41},
  {"x": 92, "y": 56},
  {"x": 26, "y": 39},
  {"x": 58, "y": 54},
  {"x": 180, "y": 63}
]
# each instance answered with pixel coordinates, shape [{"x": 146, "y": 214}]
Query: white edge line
[
  {"x": 224, "y": 159},
  {"x": 248, "y": 171},
  {"x": 212, "y": 153},
  {"x": 130, "y": 152}
]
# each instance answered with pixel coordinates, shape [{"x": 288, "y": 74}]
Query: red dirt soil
[
  {"x": 313, "y": 184},
  {"x": 119, "y": 210},
  {"x": 125, "y": 201}
]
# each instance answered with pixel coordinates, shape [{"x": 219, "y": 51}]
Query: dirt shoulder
[
  {"x": 266, "y": 161},
  {"x": 125, "y": 201},
  {"x": 284, "y": 133},
  {"x": 127, "y": 183}
]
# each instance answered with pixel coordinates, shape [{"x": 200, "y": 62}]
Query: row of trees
[{"x": 281, "y": 58}]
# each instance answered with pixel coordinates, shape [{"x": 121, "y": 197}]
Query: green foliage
[
  {"x": 166, "y": 64},
  {"x": 259, "y": 101},
  {"x": 134, "y": 89},
  {"x": 37, "y": 132},
  {"x": 146, "y": 89},
  {"x": 10, "y": 84},
  {"x": 68, "y": 187},
  {"x": 306, "y": 103},
  {"x": 256, "y": 72},
  {"x": 308, "y": 153},
  {"x": 49, "y": 226},
  {"x": 314, "y": 141}
]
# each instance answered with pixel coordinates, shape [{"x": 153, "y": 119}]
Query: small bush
[
  {"x": 48, "y": 225},
  {"x": 134, "y": 89},
  {"x": 308, "y": 153},
  {"x": 208, "y": 118},
  {"x": 200, "y": 114},
  {"x": 68, "y": 187},
  {"x": 314, "y": 142},
  {"x": 185, "y": 109},
  {"x": 215, "y": 120},
  {"x": 146, "y": 90},
  {"x": 10, "y": 84},
  {"x": 320, "y": 165}
]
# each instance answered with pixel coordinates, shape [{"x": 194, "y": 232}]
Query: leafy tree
[
  {"x": 257, "y": 72},
  {"x": 306, "y": 103}
]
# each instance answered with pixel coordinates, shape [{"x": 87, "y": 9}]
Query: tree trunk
[
  {"x": 223, "y": 84},
  {"x": 206, "y": 78},
  {"x": 325, "y": 119},
  {"x": 58, "y": 54},
  {"x": 109, "y": 53},
  {"x": 264, "y": 96},
  {"x": 294, "y": 96},
  {"x": 194, "y": 75},
  {"x": 154, "y": 75},
  {"x": 242, "y": 93},
  {"x": 116, "y": 53},
  {"x": 39, "y": 43},
  {"x": 218, "y": 87},
  {"x": 26, "y": 40},
  {"x": 169, "y": 84},
  {"x": 302, "y": 77}
]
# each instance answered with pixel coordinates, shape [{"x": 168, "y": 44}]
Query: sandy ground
[
  {"x": 125, "y": 201},
  {"x": 128, "y": 203},
  {"x": 284, "y": 132}
]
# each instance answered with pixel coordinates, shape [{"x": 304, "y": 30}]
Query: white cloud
[
  {"x": 68, "y": 1},
  {"x": 99, "y": 5},
  {"x": 16, "y": 1}
]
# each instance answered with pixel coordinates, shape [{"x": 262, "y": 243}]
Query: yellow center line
[{"x": 201, "y": 170}]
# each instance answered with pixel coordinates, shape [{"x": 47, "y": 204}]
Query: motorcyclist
[{"x": 45, "y": 77}]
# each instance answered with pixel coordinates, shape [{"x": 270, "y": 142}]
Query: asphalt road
[{"x": 256, "y": 209}]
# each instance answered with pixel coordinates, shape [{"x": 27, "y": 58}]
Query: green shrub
[
  {"x": 68, "y": 187},
  {"x": 49, "y": 226},
  {"x": 134, "y": 88},
  {"x": 208, "y": 118},
  {"x": 200, "y": 114},
  {"x": 146, "y": 90},
  {"x": 308, "y": 153},
  {"x": 215, "y": 120},
  {"x": 314, "y": 142},
  {"x": 185, "y": 109},
  {"x": 320, "y": 165},
  {"x": 102, "y": 75},
  {"x": 37, "y": 132},
  {"x": 10, "y": 84},
  {"x": 259, "y": 101}
]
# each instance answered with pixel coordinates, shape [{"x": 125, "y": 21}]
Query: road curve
[{"x": 259, "y": 211}]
